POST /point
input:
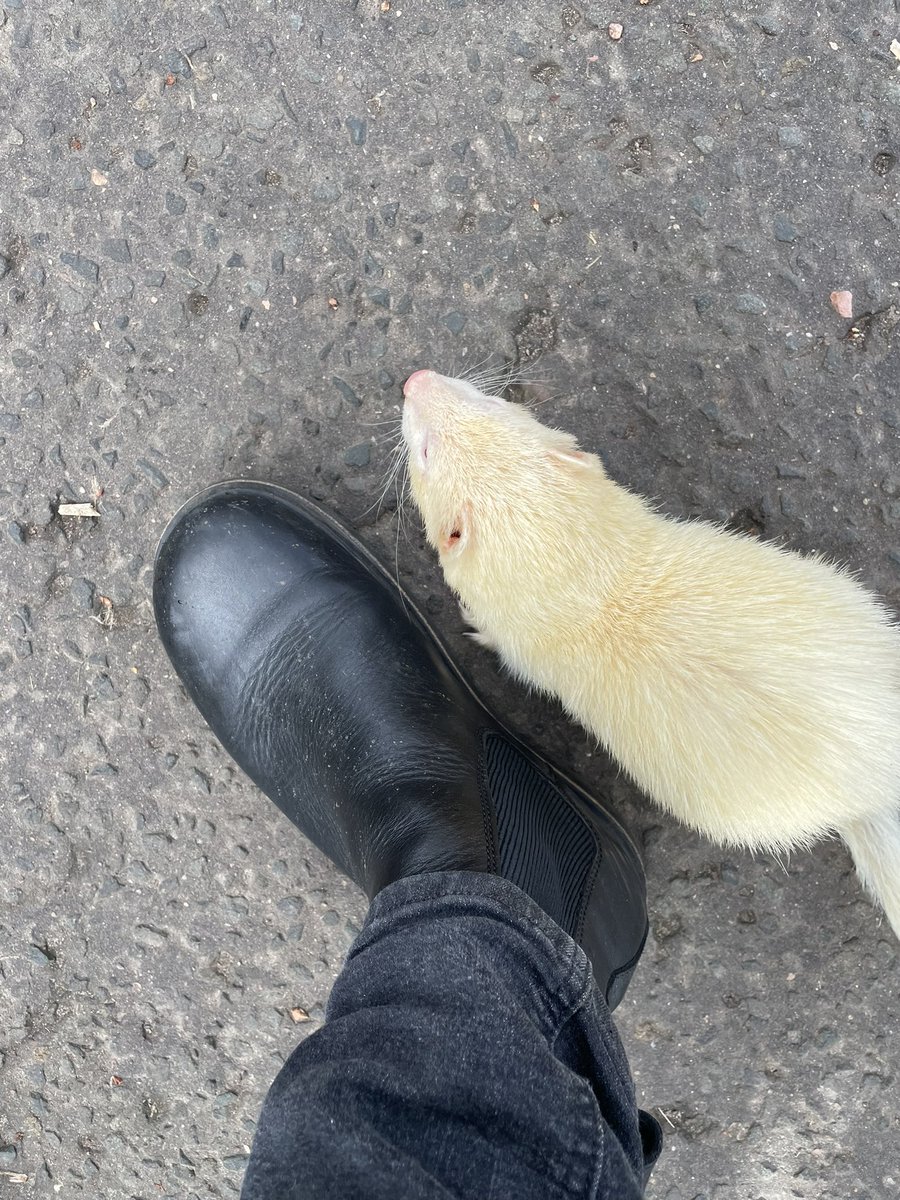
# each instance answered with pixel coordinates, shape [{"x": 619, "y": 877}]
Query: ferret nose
[{"x": 417, "y": 381}]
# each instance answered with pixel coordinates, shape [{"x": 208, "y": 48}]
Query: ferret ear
[
  {"x": 570, "y": 458},
  {"x": 455, "y": 536}
]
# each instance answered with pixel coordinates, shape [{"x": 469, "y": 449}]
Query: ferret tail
[{"x": 875, "y": 846}]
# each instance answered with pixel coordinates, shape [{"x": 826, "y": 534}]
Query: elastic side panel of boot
[{"x": 543, "y": 845}]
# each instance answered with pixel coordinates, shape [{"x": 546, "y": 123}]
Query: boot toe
[{"x": 226, "y": 566}]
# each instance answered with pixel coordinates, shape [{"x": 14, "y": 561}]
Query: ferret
[{"x": 751, "y": 692}]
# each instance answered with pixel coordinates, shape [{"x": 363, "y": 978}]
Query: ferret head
[{"x": 480, "y": 468}]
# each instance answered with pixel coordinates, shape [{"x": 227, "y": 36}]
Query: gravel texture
[{"x": 227, "y": 233}]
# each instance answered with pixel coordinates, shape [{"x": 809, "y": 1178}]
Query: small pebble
[
  {"x": 711, "y": 411},
  {"x": 83, "y": 592},
  {"x": 327, "y": 192},
  {"x": 389, "y": 214},
  {"x": 359, "y": 455},
  {"x": 117, "y": 249},
  {"x": 85, "y": 267},
  {"x": 842, "y": 303},
  {"x": 616, "y": 30},
  {"x": 769, "y": 25},
  {"x": 145, "y": 159},
  {"x": 358, "y": 130},
  {"x": 883, "y": 162},
  {"x": 519, "y": 47},
  {"x": 152, "y": 473},
  {"x": 747, "y": 302},
  {"x": 346, "y": 391},
  {"x": 380, "y": 296},
  {"x": 784, "y": 230},
  {"x": 704, "y": 144},
  {"x": 790, "y": 137}
]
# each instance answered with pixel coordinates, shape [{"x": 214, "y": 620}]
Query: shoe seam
[
  {"x": 590, "y": 883},
  {"x": 487, "y": 812}
]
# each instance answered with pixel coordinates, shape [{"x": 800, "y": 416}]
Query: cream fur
[{"x": 753, "y": 693}]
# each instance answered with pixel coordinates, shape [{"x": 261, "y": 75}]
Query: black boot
[{"x": 326, "y": 685}]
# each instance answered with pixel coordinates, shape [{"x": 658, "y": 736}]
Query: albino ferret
[{"x": 752, "y": 693}]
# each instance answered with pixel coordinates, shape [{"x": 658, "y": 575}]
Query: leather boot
[{"x": 327, "y": 686}]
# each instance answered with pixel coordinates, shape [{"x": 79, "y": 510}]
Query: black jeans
[{"x": 467, "y": 1053}]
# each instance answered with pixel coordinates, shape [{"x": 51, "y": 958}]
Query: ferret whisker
[
  {"x": 396, "y": 467},
  {"x": 499, "y": 372},
  {"x": 525, "y": 377},
  {"x": 395, "y": 464},
  {"x": 539, "y": 402},
  {"x": 488, "y": 378},
  {"x": 495, "y": 380},
  {"x": 391, "y": 438},
  {"x": 496, "y": 386},
  {"x": 401, "y": 489},
  {"x": 502, "y": 381},
  {"x": 480, "y": 382},
  {"x": 473, "y": 370},
  {"x": 469, "y": 369}
]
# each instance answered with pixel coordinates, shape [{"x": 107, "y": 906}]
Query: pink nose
[{"x": 416, "y": 380}]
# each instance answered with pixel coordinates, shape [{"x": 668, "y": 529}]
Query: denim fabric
[{"x": 466, "y": 1053}]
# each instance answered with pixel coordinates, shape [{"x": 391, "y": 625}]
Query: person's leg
[
  {"x": 467, "y": 1053},
  {"x": 333, "y": 694}
]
